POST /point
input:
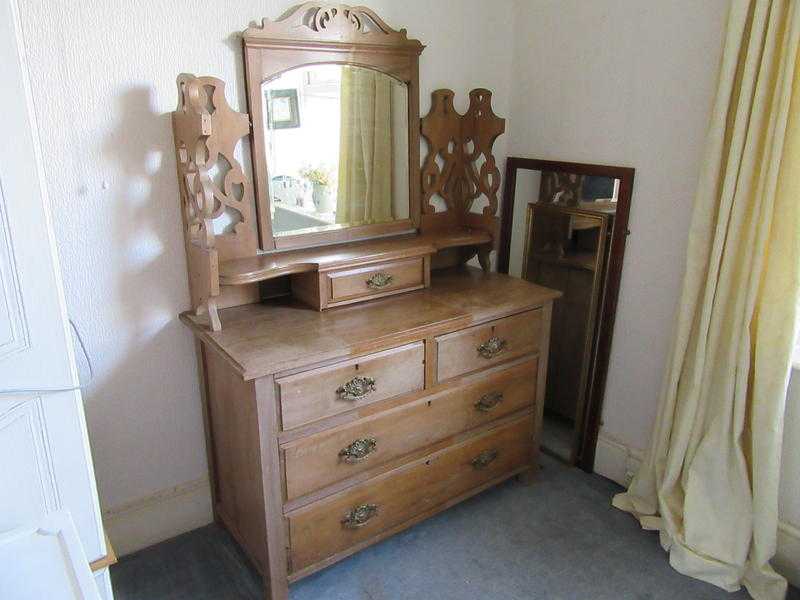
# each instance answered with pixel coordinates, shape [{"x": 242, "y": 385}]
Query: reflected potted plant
[{"x": 320, "y": 179}]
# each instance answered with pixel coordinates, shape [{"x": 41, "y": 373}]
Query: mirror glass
[
  {"x": 336, "y": 138},
  {"x": 561, "y": 235}
]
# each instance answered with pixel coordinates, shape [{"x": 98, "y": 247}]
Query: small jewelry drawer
[
  {"x": 332, "y": 455},
  {"x": 336, "y": 523},
  {"x": 488, "y": 344},
  {"x": 375, "y": 280},
  {"x": 323, "y": 392}
]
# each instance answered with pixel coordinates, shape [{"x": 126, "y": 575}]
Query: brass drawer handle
[
  {"x": 492, "y": 347},
  {"x": 356, "y": 388},
  {"x": 489, "y": 401},
  {"x": 379, "y": 280},
  {"x": 358, "y": 450},
  {"x": 358, "y": 516},
  {"x": 484, "y": 459}
]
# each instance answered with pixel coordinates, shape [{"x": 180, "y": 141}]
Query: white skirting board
[
  {"x": 618, "y": 462},
  {"x": 159, "y": 516}
]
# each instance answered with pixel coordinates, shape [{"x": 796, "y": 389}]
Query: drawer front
[
  {"x": 375, "y": 280},
  {"x": 336, "y": 454},
  {"x": 327, "y": 391},
  {"x": 485, "y": 345},
  {"x": 337, "y": 523}
]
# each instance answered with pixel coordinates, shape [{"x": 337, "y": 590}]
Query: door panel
[
  {"x": 45, "y": 560},
  {"x": 45, "y": 463}
]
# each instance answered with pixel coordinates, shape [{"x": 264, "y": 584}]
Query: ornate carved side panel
[
  {"x": 213, "y": 187},
  {"x": 460, "y": 167},
  {"x": 213, "y": 184}
]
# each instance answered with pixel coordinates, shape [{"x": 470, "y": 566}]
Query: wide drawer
[
  {"x": 376, "y": 280},
  {"x": 324, "y": 458},
  {"x": 334, "y": 524},
  {"x": 326, "y": 391},
  {"x": 488, "y": 344}
]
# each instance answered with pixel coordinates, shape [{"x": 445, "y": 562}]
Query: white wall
[{"x": 103, "y": 76}]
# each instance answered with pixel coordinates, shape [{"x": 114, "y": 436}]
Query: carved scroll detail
[
  {"x": 329, "y": 22},
  {"x": 460, "y": 142},
  {"x": 207, "y": 131}
]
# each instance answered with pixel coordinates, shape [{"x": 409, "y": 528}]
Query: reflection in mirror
[
  {"x": 337, "y": 148},
  {"x": 560, "y": 239}
]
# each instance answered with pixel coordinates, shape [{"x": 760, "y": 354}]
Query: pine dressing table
[{"x": 357, "y": 376}]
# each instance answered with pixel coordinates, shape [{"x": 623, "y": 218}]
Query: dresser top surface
[{"x": 273, "y": 337}]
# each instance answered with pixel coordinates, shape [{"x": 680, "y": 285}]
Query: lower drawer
[
  {"x": 332, "y": 455},
  {"x": 334, "y": 524}
]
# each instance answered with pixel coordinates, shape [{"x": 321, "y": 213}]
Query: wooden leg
[
  {"x": 276, "y": 581},
  {"x": 541, "y": 387},
  {"x": 213, "y": 315},
  {"x": 210, "y": 452}
]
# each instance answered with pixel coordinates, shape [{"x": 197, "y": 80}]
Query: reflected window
[{"x": 337, "y": 148}]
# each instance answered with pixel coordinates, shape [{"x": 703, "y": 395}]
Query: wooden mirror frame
[
  {"x": 607, "y": 303},
  {"x": 321, "y": 33}
]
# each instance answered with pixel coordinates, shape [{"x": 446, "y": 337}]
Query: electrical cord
[{"x": 58, "y": 390}]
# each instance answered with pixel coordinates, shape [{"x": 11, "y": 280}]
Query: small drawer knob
[
  {"x": 379, "y": 281},
  {"x": 359, "y": 450},
  {"x": 358, "y": 516},
  {"x": 489, "y": 401},
  {"x": 492, "y": 347},
  {"x": 356, "y": 388},
  {"x": 484, "y": 459}
]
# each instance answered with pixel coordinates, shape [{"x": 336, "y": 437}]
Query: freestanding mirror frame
[
  {"x": 309, "y": 35},
  {"x": 604, "y": 310}
]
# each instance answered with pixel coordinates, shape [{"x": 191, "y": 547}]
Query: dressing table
[{"x": 357, "y": 376}]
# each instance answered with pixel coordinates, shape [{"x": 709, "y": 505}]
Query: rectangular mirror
[
  {"x": 564, "y": 227},
  {"x": 337, "y": 148}
]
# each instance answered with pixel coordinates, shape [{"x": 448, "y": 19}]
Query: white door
[
  {"x": 45, "y": 463},
  {"x": 48, "y": 560}
]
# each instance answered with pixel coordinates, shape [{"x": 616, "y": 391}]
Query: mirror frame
[
  {"x": 589, "y": 428},
  {"x": 318, "y": 33}
]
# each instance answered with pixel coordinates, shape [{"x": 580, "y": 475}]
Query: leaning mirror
[
  {"x": 564, "y": 227},
  {"x": 336, "y": 141}
]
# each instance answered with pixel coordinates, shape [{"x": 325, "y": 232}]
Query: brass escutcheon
[
  {"x": 356, "y": 388},
  {"x": 379, "y": 280},
  {"x": 484, "y": 459},
  {"x": 492, "y": 347},
  {"x": 359, "y": 515},
  {"x": 358, "y": 450},
  {"x": 489, "y": 401}
]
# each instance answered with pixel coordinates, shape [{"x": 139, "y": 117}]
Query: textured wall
[{"x": 103, "y": 76}]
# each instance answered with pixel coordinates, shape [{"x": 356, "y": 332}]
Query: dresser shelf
[{"x": 243, "y": 271}]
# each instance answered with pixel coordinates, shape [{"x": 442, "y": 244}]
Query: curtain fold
[
  {"x": 365, "y": 154},
  {"x": 709, "y": 482}
]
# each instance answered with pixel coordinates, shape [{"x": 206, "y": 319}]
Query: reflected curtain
[
  {"x": 709, "y": 482},
  {"x": 365, "y": 154}
]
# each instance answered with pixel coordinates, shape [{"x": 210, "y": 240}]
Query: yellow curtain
[
  {"x": 365, "y": 154},
  {"x": 709, "y": 482}
]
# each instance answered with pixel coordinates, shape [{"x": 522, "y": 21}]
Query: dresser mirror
[
  {"x": 336, "y": 139},
  {"x": 564, "y": 226},
  {"x": 334, "y": 100}
]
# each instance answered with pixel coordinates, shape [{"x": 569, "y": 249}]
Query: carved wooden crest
[{"x": 329, "y": 22}]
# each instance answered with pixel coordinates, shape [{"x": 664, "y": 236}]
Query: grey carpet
[{"x": 558, "y": 539}]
